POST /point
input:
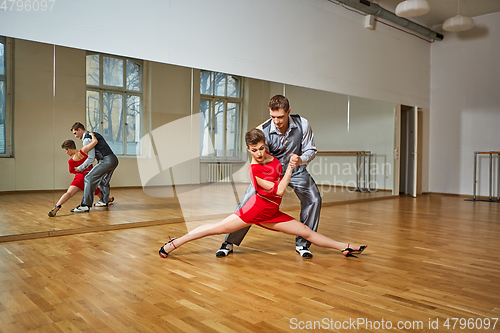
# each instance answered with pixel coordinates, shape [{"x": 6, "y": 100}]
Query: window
[
  {"x": 5, "y": 116},
  {"x": 221, "y": 115},
  {"x": 114, "y": 101}
]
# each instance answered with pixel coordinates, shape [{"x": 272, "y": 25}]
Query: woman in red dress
[
  {"x": 263, "y": 208},
  {"x": 77, "y": 159}
]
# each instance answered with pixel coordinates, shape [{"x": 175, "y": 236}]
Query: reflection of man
[
  {"x": 288, "y": 138},
  {"x": 100, "y": 175}
]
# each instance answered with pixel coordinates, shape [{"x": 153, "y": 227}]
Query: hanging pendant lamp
[
  {"x": 458, "y": 23},
  {"x": 412, "y": 8}
]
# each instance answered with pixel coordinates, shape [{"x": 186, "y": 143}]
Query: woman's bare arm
[{"x": 267, "y": 185}]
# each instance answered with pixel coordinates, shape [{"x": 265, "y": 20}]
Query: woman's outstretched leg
[
  {"x": 72, "y": 190},
  {"x": 228, "y": 225},
  {"x": 294, "y": 227}
]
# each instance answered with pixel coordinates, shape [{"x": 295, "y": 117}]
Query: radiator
[{"x": 219, "y": 172}]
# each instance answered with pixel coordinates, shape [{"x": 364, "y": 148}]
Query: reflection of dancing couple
[
  {"x": 91, "y": 180},
  {"x": 290, "y": 140}
]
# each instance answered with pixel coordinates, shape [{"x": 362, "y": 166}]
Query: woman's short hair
[
  {"x": 254, "y": 136},
  {"x": 68, "y": 144},
  {"x": 278, "y": 102}
]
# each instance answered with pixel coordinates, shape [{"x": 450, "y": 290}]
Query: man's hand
[
  {"x": 76, "y": 169},
  {"x": 295, "y": 160}
]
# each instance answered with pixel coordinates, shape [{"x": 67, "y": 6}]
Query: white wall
[
  {"x": 465, "y": 105},
  {"x": 309, "y": 43}
]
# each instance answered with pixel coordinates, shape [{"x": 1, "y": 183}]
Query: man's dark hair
[
  {"x": 76, "y": 126},
  {"x": 278, "y": 102}
]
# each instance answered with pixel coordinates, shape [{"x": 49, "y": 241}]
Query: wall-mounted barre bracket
[{"x": 361, "y": 156}]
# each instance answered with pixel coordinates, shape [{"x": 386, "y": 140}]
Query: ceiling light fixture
[
  {"x": 412, "y": 8},
  {"x": 458, "y": 23}
]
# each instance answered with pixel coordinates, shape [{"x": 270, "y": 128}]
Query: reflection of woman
[
  {"x": 263, "y": 208},
  {"x": 77, "y": 158}
]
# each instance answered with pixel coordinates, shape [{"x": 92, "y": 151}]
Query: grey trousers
[
  {"x": 310, "y": 203},
  {"x": 100, "y": 175}
]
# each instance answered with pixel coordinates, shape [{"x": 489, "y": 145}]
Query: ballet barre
[
  {"x": 490, "y": 197},
  {"x": 361, "y": 156}
]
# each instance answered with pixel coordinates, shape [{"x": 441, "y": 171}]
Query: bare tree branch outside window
[
  {"x": 114, "y": 84},
  {"x": 220, "y": 108}
]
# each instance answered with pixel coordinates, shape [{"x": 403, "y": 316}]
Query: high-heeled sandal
[
  {"x": 348, "y": 252},
  {"x": 358, "y": 251},
  {"x": 54, "y": 210},
  {"x": 162, "y": 252}
]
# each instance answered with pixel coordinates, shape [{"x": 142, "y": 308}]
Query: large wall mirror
[{"x": 178, "y": 133}]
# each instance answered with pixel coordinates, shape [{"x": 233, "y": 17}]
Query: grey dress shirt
[{"x": 91, "y": 154}]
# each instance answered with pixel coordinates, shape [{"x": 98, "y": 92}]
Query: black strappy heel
[
  {"x": 162, "y": 251},
  {"x": 347, "y": 252},
  {"x": 54, "y": 210}
]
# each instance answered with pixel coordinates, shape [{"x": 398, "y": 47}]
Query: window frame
[
  {"x": 101, "y": 89},
  {"x": 7, "y": 78},
  {"x": 213, "y": 99}
]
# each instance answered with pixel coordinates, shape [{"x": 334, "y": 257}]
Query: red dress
[
  {"x": 80, "y": 176},
  {"x": 263, "y": 207}
]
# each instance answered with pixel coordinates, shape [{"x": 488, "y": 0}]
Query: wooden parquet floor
[{"x": 429, "y": 259}]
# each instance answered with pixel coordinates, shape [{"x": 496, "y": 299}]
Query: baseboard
[{"x": 451, "y": 194}]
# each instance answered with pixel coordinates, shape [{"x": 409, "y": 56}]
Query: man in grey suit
[
  {"x": 101, "y": 173},
  {"x": 288, "y": 138}
]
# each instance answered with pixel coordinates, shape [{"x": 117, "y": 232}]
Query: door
[
  {"x": 411, "y": 155},
  {"x": 397, "y": 150},
  {"x": 409, "y": 148}
]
